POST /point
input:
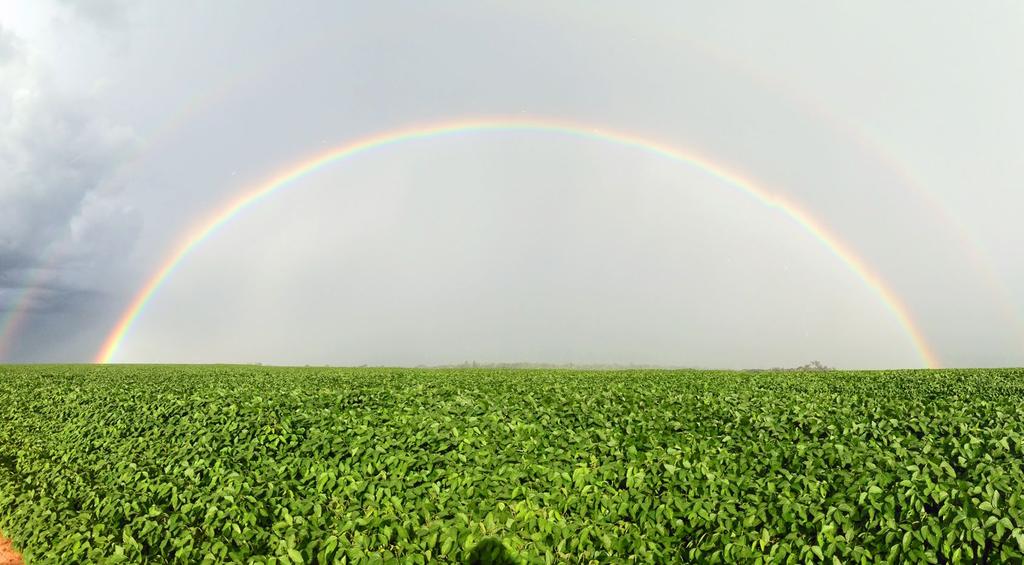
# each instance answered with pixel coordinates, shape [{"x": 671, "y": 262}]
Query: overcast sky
[{"x": 898, "y": 126}]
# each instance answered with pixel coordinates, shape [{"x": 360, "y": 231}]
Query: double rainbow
[{"x": 357, "y": 147}]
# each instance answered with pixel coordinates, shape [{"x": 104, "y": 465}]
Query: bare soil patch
[{"x": 7, "y": 554}]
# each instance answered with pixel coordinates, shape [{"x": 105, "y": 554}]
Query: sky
[{"x": 894, "y": 129}]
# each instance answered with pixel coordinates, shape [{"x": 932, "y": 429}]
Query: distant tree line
[
  {"x": 529, "y": 365},
  {"x": 813, "y": 366}
]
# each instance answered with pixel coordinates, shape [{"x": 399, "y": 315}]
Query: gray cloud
[
  {"x": 8, "y": 48},
  {"x": 103, "y": 13},
  {"x": 58, "y": 211}
]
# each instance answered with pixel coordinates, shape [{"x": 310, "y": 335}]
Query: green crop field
[{"x": 269, "y": 465}]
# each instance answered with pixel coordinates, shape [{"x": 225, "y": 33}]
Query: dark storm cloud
[
  {"x": 58, "y": 211},
  {"x": 11, "y": 261}
]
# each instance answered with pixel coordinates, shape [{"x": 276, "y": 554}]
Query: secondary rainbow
[
  {"x": 292, "y": 174},
  {"x": 11, "y": 320}
]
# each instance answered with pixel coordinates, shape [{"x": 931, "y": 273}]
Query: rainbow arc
[{"x": 290, "y": 176}]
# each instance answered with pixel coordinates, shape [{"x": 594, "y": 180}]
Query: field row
[{"x": 268, "y": 465}]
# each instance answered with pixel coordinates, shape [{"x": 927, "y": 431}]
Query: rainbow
[
  {"x": 11, "y": 320},
  {"x": 863, "y": 138},
  {"x": 351, "y": 149}
]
